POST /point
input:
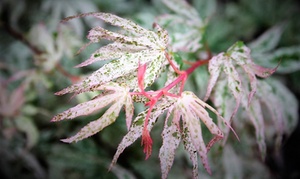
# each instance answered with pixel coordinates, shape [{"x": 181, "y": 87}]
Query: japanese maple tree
[{"x": 137, "y": 57}]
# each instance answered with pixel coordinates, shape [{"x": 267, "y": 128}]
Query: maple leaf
[
  {"x": 239, "y": 79},
  {"x": 113, "y": 93},
  {"x": 52, "y": 48},
  {"x": 189, "y": 108},
  {"x": 230, "y": 62},
  {"x": 11, "y": 103},
  {"x": 137, "y": 127},
  {"x": 275, "y": 97},
  {"x": 267, "y": 53},
  {"x": 171, "y": 139},
  {"x": 185, "y": 26},
  {"x": 135, "y": 45}
]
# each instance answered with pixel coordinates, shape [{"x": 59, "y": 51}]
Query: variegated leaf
[
  {"x": 190, "y": 148},
  {"x": 129, "y": 110},
  {"x": 192, "y": 110},
  {"x": 225, "y": 104},
  {"x": 256, "y": 116},
  {"x": 268, "y": 40},
  {"x": 136, "y": 129},
  {"x": 94, "y": 127},
  {"x": 232, "y": 163},
  {"x": 192, "y": 124},
  {"x": 236, "y": 58},
  {"x": 113, "y": 20},
  {"x": 198, "y": 106},
  {"x": 277, "y": 97},
  {"x": 182, "y": 7},
  {"x": 288, "y": 57},
  {"x": 136, "y": 45},
  {"x": 113, "y": 93},
  {"x": 117, "y": 68},
  {"x": 186, "y": 27},
  {"x": 111, "y": 51},
  {"x": 214, "y": 68},
  {"x": 234, "y": 83},
  {"x": 171, "y": 138}
]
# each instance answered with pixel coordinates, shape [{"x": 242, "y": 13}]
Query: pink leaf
[
  {"x": 136, "y": 129},
  {"x": 263, "y": 72}
]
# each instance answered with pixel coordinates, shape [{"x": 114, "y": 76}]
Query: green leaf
[
  {"x": 288, "y": 57},
  {"x": 178, "y": 59},
  {"x": 27, "y": 126},
  {"x": 267, "y": 41}
]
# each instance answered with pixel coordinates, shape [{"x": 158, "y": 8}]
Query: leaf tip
[
  {"x": 67, "y": 140},
  {"x": 147, "y": 143}
]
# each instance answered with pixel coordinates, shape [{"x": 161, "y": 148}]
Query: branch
[{"x": 19, "y": 36}]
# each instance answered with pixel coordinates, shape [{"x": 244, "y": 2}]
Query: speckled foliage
[{"x": 136, "y": 57}]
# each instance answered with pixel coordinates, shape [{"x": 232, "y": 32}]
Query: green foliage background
[{"x": 29, "y": 143}]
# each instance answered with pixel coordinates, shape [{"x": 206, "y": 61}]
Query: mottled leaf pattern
[
  {"x": 256, "y": 117},
  {"x": 118, "y": 95},
  {"x": 231, "y": 62},
  {"x": 287, "y": 56},
  {"x": 171, "y": 138},
  {"x": 192, "y": 151},
  {"x": 277, "y": 97},
  {"x": 139, "y": 45},
  {"x": 137, "y": 128},
  {"x": 240, "y": 72},
  {"x": 136, "y": 57},
  {"x": 185, "y": 26},
  {"x": 191, "y": 110},
  {"x": 265, "y": 54},
  {"x": 224, "y": 103},
  {"x": 267, "y": 41}
]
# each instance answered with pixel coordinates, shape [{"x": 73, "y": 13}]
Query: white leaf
[
  {"x": 183, "y": 8},
  {"x": 190, "y": 148},
  {"x": 256, "y": 117},
  {"x": 214, "y": 68},
  {"x": 86, "y": 108},
  {"x": 225, "y": 104},
  {"x": 111, "y": 51},
  {"x": 171, "y": 139},
  {"x": 129, "y": 109},
  {"x": 192, "y": 124},
  {"x": 95, "y": 126},
  {"x": 110, "y": 71},
  {"x": 277, "y": 97},
  {"x": 112, "y": 93},
  {"x": 234, "y": 83}
]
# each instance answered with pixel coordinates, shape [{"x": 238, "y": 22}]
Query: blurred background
[{"x": 37, "y": 56}]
